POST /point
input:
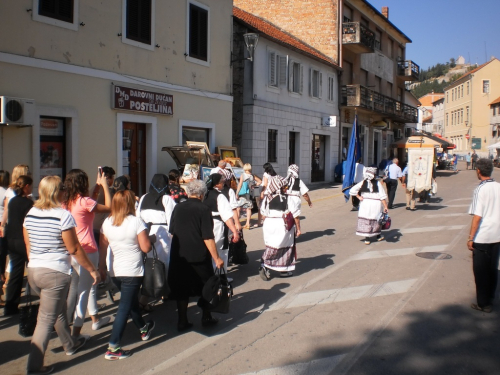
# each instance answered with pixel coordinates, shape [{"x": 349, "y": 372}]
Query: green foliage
[
  {"x": 429, "y": 86},
  {"x": 453, "y": 62},
  {"x": 434, "y": 71}
]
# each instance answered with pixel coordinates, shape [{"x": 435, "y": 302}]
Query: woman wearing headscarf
[
  {"x": 155, "y": 209},
  {"x": 222, "y": 215},
  {"x": 372, "y": 198},
  {"x": 280, "y": 252},
  {"x": 296, "y": 189}
]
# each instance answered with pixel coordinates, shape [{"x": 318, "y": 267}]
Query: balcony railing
[
  {"x": 408, "y": 70},
  {"x": 357, "y": 38},
  {"x": 364, "y": 98}
]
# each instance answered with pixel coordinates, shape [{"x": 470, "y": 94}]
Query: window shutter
[
  {"x": 58, "y": 9},
  {"x": 311, "y": 82},
  {"x": 290, "y": 75},
  {"x": 301, "y": 85},
  {"x": 139, "y": 20},
  {"x": 282, "y": 70},
  {"x": 320, "y": 85},
  {"x": 198, "y": 32},
  {"x": 272, "y": 68}
]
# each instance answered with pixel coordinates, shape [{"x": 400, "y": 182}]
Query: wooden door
[{"x": 134, "y": 155}]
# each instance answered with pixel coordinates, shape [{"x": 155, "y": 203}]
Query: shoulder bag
[
  {"x": 28, "y": 316},
  {"x": 218, "y": 292},
  {"x": 154, "y": 283},
  {"x": 238, "y": 251},
  {"x": 289, "y": 220}
]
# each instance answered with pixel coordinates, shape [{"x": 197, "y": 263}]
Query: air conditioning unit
[
  {"x": 329, "y": 121},
  {"x": 17, "y": 111},
  {"x": 398, "y": 134}
]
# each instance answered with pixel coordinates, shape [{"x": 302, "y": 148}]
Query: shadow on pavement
[
  {"x": 11, "y": 350},
  {"x": 392, "y": 235},
  {"x": 452, "y": 340},
  {"x": 427, "y": 207},
  {"x": 308, "y": 236},
  {"x": 320, "y": 262}
]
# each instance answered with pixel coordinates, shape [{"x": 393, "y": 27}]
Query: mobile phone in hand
[{"x": 99, "y": 170}]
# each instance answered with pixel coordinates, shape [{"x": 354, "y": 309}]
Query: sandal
[
  {"x": 246, "y": 227},
  {"x": 209, "y": 321},
  {"x": 255, "y": 226},
  {"x": 486, "y": 309}
]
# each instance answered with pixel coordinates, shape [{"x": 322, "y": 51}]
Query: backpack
[{"x": 244, "y": 188}]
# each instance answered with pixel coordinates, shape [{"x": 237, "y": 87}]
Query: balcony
[
  {"x": 357, "y": 38},
  {"x": 368, "y": 100},
  {"x": 408, "y": 70}
]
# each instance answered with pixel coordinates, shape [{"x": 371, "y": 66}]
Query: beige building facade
[
  {"x": 111, "y": 83},
  {"x": 467, "y": 111}
]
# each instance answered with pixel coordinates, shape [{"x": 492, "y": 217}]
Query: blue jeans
[{"x": 129, "y": 305}]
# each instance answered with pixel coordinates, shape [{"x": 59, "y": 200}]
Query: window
[
  {"x": 378, "y": 39},
  {"x": 277, "y": 69},
  {"x": 195, "y": 135},
  {"x": 447, "y": 96},
  {"x": 61, "y": 10},
  {"x": 462, "y": 88},
  {"x": 467, "y": 88},
  {"x": 272, "y": 136},
  {"x": 486, "y": 86},
  {"x": 452, "y": 95},
  {"x": 462, "y": 116},
  {"x": 446, "y": 119},
  {"x": 331, "y": 89},
  {"x": 52, "y": 146},
  {"x": 467, "y": 113},
  {"x": 138, "y": 27},
  {"x": 389, "y": 89},
  {"x": 315, "y": 83},
  {"x": 295, "y": 77},
  {"x": 198, "y": 32}
]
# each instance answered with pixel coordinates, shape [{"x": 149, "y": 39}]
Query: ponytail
[{"x": 21, "y": 183}]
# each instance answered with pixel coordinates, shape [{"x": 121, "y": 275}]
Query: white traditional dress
[{"x": 370, "y": 209}]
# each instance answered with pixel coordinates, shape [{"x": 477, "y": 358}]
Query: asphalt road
[{"x": 386, "y": 308}]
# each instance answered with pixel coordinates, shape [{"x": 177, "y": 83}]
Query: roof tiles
[{"x": 280, "y": 36}]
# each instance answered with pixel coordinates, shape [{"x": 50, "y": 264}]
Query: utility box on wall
[{"x": 475, "y": 143}]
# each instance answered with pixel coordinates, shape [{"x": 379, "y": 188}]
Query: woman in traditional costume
[
  {"x": 373, "y": 201},
  {"x": 296, "y": 190},
  {"x": 279, "y": 233}
]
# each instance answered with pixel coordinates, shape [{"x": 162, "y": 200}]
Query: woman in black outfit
[
  {"x": 18, "y": 208},
  {"x": 193, "y": 248}
]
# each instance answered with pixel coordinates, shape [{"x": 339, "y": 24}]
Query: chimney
[{"x": 385, "y": 12}]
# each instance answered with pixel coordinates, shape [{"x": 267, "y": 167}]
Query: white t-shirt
[
  {"x": 394, "y": 172},
  {"x": 126, "y": 256},
  {"x": 224, "y": 207},
  {"x": 47, "y": 247},
  {"x": 486, "y": 203}
]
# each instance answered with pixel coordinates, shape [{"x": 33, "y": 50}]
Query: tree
[{"x": 453, "y": 62}]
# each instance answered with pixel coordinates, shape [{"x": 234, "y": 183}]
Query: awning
[
  {"x": 450, "y": 145},
  {"x": 421, "y": 141},
  {"x": 495, "y": 145}
]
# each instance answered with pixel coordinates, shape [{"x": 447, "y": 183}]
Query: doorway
[
  {"x": 318, "y": 158},
  {"x": 134, "y": 155}
]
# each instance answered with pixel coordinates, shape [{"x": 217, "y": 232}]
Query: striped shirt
[
  {"x": 47, "y": 247},
  {"x": 486, "y": 204}
]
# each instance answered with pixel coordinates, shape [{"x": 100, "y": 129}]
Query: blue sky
[{"x": 440, "y": 29}]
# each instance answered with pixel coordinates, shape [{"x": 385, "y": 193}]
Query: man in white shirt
[
  {"x": 484, "y": 236},
  {"x": 393, "y": 175},
  {"x": 220, "y": 167}
]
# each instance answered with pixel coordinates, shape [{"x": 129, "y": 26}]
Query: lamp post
[{"x": 251, "y": 40}]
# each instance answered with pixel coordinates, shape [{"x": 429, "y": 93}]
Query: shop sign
[
  {"x": 475, "y": 144},
  {"x": 137, "y": 100},
  {"x": 51, "y": 127}
]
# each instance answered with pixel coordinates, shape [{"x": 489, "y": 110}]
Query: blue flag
[{"x": 353, "y": 155}]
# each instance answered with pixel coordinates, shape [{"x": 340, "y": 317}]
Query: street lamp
[{"x": 251, "y": 40}]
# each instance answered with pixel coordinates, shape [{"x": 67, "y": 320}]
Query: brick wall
[{"x": 313, "y": 21}]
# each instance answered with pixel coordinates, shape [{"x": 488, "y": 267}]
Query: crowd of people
[{"x": 74, "y": 237}]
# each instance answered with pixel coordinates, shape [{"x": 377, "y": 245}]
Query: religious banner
[{"x": 420, "y": 169}]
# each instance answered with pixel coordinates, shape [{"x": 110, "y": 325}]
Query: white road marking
[
  {"x": 445, "y": 215},
  {"x": 431, "y": 229},
  {"x": 352, "y": 293},
  {"x": 457, "y": 205},
  {"x": 460, "y": 199},
  {"x": 399, "y": 252},
  {"x": 323, "y": 366}
]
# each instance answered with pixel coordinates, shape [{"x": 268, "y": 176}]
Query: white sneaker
[{"x": 100, "y": 323}]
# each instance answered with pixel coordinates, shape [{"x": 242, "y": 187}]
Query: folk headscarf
[
  {"x": 157, "y": 189},
  {"x": 226, "y": 173},
  {"x": 368, "y": 176},
  {"x": 273, "y": 189},
  {"x": 293, "y": 173}
]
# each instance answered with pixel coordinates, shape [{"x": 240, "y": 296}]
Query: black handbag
[
  {"x": 154, "y": 283},
  {"x": 238, "y": 251},
  {"x": 218, "y": 292},
  {"x": 27, "y": 316}
]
